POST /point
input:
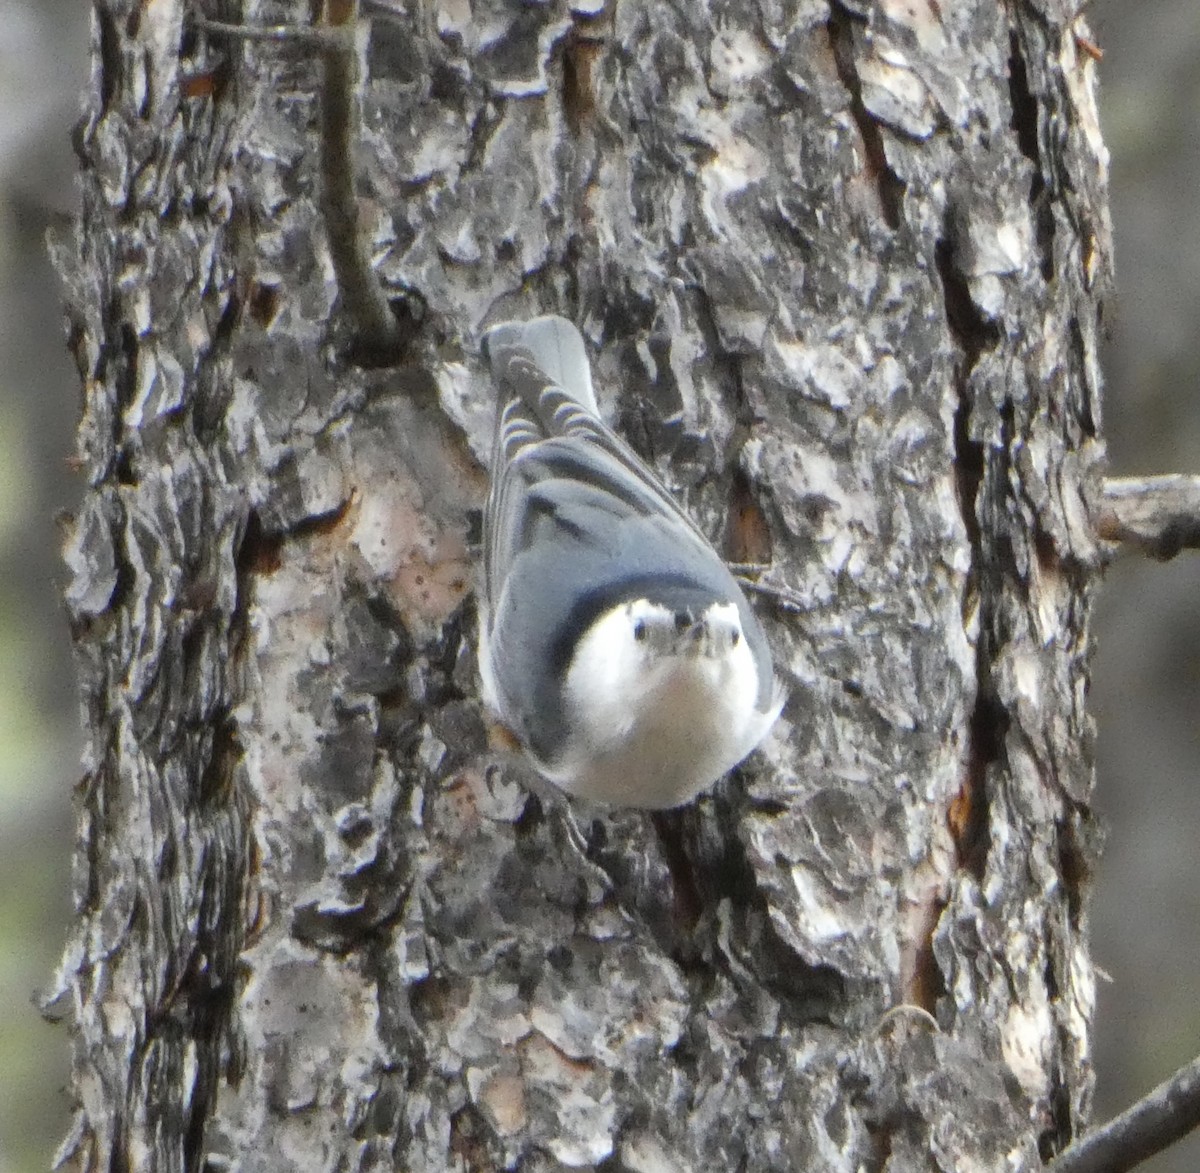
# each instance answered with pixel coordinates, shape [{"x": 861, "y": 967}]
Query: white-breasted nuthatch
[{"x": 614, "y": 642}]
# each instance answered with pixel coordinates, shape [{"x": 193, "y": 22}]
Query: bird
[{"x": 614, "y": 642}]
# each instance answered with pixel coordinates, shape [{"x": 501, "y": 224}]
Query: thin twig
[
  {"x": 784, "y": 598},
  {"x": 314, "y": 38},
  {"x": 1155, "y": 1122},
  {"x": 1158, "y": 515},
  {"x": 378, "y": 332},
  {"x": 908, "y": 1010}
]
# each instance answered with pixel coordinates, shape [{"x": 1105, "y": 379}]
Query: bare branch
[
  {"x": 1154, "y": 1123},
  {"x": 379, "y": 330},
  {"x": 379, "y": 334},
  {"x": 1159, "y": 515}
]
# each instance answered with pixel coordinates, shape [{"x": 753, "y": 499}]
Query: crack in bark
[
  {"x": 1024, "y": 123},
  {"x": 1059, "y": 1132},
  {"x": 578, "y": 94},
  {"x": 747, "y": 531},
  {"x": 687, "y": 902},
  {"x": 108, "y": 47},
  {"x": 888, "y": 184},
  {"x": 972, "y": 334}
]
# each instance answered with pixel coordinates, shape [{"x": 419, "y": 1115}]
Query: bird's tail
[{"x": 541, "y": 369}]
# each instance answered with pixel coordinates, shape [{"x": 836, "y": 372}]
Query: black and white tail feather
[
  {"x": 545, "y": 382},
  {"x": 586, "y": 552}
]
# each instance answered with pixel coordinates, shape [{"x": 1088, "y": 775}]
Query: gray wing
[
  {"x": 575, "y": 523},
  {"x": 545, "y": 386}
]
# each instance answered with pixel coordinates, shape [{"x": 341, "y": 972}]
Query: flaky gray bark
[{"x": 862, "y": 248}]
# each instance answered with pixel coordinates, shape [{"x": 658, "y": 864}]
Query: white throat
[{"x": 661, "y": 704}]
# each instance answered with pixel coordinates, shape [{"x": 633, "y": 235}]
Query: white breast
[{"x": 654, "y": 722}]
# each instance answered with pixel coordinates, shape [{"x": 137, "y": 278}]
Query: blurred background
[
  {"x": 43, "y": 58},
  {"x": 1146, "y": 692}
]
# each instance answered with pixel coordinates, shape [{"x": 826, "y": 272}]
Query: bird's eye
[
  {"x": 639, "y": 630},
  {"x": 733, "y": 639}
]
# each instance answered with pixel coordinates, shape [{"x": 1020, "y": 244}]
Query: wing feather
[{"x": 548, "y": 428}]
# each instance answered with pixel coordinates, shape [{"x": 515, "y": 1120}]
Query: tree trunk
[{"x": 861, "y": 248}]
